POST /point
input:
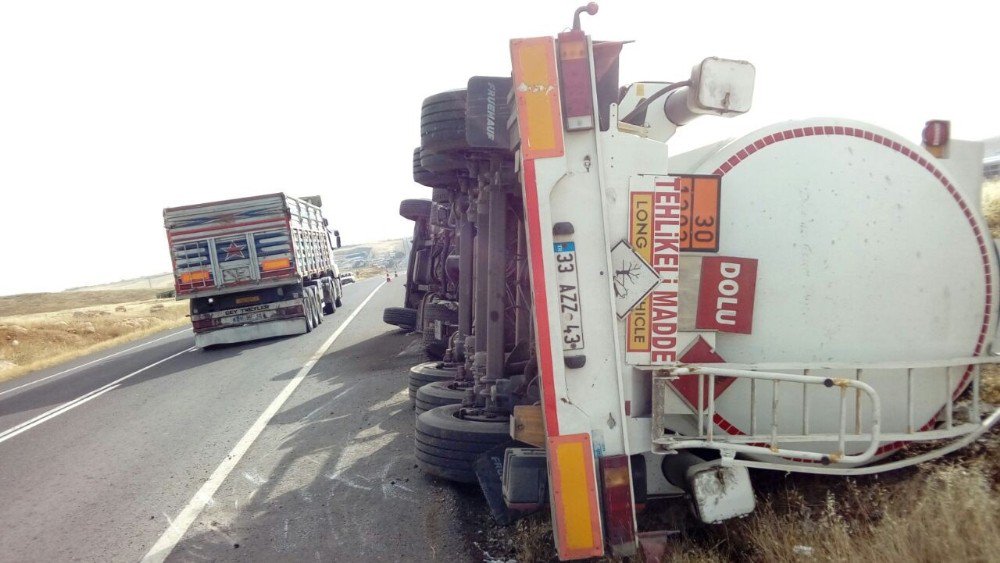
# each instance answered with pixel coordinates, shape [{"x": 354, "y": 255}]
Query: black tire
[
  {"x": 433, "y": 312},
  {"x": 444, "y": 163},
  {"x": 428, "y": 372},
  {"x": 442, "y": 122},
  {"x": 338, "y": 302},
  {"x": 401, "y": 317},
  {"x": 427, "y": 178},
  {"x": 327, "y": 288},
  {"x": 438, "y": 394},
  {"x": 447, "y": 446},
  {"x": 309, "y": 316},
  {"x": 317, "y": 307},
  {"x": 415, "y": 209},
  {"x": 441, "y": 195}
]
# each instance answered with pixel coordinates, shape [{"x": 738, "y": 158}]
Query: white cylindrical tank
[{"x": 868, "y": 251}]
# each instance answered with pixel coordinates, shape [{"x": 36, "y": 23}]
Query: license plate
[
  {"x": 569, "y": 296},
  {"x": 248, "y": 318}
]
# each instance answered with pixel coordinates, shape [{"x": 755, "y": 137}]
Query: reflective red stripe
[{"x": 543, "y": 336}]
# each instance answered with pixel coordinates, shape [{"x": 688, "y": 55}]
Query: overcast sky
[{"x": 111, "y": 111}]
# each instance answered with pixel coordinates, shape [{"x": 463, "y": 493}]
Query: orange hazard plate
[{"x": 700, "y": 213}]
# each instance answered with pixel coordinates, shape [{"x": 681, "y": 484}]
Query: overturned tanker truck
[{"x": 811, "y": 297}]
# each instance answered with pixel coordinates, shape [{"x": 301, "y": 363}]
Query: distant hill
[
  {"x": 33, "y": 303},
  {"x": 157, "y": 281}
]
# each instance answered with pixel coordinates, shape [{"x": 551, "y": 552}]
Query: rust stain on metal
[{"x": 841, "y": 382}]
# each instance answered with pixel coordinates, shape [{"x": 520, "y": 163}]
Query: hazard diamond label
[{"x": 633, "y": 276}]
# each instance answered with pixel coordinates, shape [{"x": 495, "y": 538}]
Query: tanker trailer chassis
[{"x": 811, "y": 297}]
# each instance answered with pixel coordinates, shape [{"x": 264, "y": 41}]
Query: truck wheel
[
  {"x": 329, "y": 293},
  {"x": 400, "y": 316},
  {"x": 443, "y": 163},
  {"x": 427, "y": 178},
  {"x": 307, "y": 304},
  {"x": 340, "y": 294},
  {"x": 448, "y": 440},
  {"x": 439, "y": 394},
  {"x": 442, "y": 122},
  {"x": 441, "y": 195},
  {"x": 317, "y": 305},
  {"x": 415, "y": 209},
  {"x": 435, "y": 347},
  {"x": 428, "y": 372}
]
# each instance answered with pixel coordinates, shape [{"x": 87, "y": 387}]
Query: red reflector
[
  {"x": 619, "y": 514},
  {"x": 936, "y": 133},
  {"x": 574, "y": 78},
  {"x": 203, "y": 324}
]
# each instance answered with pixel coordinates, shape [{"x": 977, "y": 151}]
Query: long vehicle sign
[{"x": 655, "y": 227}]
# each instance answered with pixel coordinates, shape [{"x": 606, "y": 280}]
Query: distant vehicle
[
  {"x": 346, "y": 278},
  {"x": 253, "y": 267}
]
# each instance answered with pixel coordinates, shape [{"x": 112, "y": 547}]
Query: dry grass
[
  {"x": 948, "y": 510},
  {"x": 45, "y": 337},
  {"x": 31, "y": 303},
  {"x": 990, "y": 389},
  {"x": 991, "y": 206}
]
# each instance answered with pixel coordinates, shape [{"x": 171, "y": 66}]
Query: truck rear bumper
[{"x": 246, "y": 333}]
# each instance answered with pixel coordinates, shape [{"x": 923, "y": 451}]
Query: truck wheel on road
[
  {"x": 415, "y": 209},
  {"x": 329, "y": 296},
  {"x": 448, "y": 440},
  {"x": 400, "y": 316},
  {"x": 317, "y": 304},
  {"x": 340, "y": 294},
  {"x": 428, "y": 372},
  {"x": 435, "y": 347},
  {"x": 309, "y": 314},
  {"x": 439, "y": 394}
]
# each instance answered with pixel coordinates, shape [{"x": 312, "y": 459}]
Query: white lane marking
[
  {"x": 92, "y": 362},
  {"x": 163, "y": 546},
  {"x": 69, "y": 405}
]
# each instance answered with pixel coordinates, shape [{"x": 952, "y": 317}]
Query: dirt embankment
[{"x": 40, "y": 330}]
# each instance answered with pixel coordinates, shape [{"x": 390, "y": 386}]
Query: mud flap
[
  {"x": 489, "y": 473},
  {"x": 489, "y": 469}
]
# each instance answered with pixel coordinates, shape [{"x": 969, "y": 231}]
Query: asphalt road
[{"x": 99, "y": 458}]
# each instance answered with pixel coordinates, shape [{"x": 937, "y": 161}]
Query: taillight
[
  {"x": 936, "y": 135},
  {"x": 619, "y": 514},
  {"x": 195, "y": 277},
  {"x": 575, "y": 82},
  {"x": 202, "y": 324},
  {"x": 275, "y": 264},
  {"x": 293, "y": 311}
]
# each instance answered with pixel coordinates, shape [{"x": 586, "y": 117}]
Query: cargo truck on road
[{"x": 254, "y": 267}]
